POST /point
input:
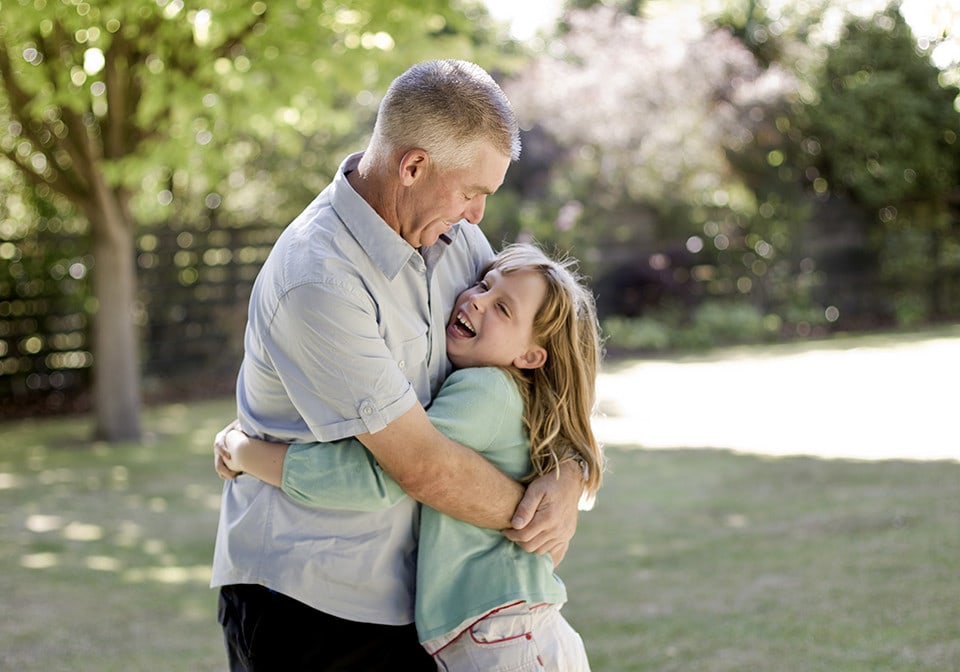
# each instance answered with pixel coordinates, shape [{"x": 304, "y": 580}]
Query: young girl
[{"x": 525, "y": 344}]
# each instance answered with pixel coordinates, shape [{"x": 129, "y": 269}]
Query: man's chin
[{"x": 431, "y": 238}]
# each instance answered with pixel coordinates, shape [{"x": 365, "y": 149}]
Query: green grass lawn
[{"x": 691, "y": 560}]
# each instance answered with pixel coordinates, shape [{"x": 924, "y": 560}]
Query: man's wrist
[{"x": 580, "y": 465}]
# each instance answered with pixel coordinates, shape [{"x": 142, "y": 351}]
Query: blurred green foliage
[
  {"x": 883, "y": 130},
  {"x": 744, "y": 175},
  {"x": 125, "y": 113}
]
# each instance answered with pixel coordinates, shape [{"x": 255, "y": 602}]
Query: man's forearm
[
  {"x": 471, "y": 489},
  {"x": 443, "y": 474}
]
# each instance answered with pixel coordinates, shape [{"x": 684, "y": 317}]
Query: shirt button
[
  {"x": 402, "y": 364},
  {"x": 367, "y": 410}
]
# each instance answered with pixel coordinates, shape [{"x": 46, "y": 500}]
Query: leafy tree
[
  {"x": 632, "y": 7},
  {"x": 121, "y": 107},
  {"x": 635, "y": 101},
  {"x": 884, "y": 131},
  {"x": 640, "y": 113}
]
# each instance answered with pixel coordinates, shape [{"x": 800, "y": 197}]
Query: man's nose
[{"x": 474, "y": 211}]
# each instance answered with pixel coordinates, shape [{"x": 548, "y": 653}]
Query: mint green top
[{"x": 463, "y": 571}]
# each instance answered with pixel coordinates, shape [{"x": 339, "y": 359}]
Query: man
[{"x": 345, "y": 338}]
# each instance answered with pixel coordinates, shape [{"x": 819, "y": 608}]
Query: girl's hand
[{"x": 223, "y": 459}]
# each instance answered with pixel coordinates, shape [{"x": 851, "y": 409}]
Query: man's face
[{"x": 440, "y": 199}]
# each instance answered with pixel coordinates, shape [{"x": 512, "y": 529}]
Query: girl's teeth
[{"x": 466, "y": 325}]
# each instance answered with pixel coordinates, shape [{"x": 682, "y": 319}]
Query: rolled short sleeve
[
  {"x": 479, "y": 408},
  {"x": 338, "y": 371}
]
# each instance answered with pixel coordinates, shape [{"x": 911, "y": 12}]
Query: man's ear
[
  {"x": 533, "y": 358},
  {"x": 412, "y": 166}
]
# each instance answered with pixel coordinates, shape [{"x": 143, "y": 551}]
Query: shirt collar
[{"x": 388, "y": 251}]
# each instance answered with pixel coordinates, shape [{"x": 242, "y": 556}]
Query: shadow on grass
[
  {"x": 108, "y": 547},
  {"x": 692, "y": 559},
  {"x": 711, "y": 560}
]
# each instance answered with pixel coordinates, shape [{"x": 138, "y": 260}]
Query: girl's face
[{"x": 492, "y": 322}]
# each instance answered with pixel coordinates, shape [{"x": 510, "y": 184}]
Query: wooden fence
[{"x": 192, "y": 299}]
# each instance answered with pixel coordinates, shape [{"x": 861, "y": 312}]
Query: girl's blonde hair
[
  {"x": 560, "y": 396},
  {"x": 447, "y": 108}
]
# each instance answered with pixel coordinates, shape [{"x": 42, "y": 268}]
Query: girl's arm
[
  {"x": 470, "y": 408},
  {"x": 334, "y": 475},
  {"x": 244, "y": 455}
]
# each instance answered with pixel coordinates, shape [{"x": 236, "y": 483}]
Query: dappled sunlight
[
  {"x": 41, "y": 523},
  {"x": 736, "y": 520},
  {"x": 198, "y": 437},
  {"x": 171, "y": 419},
  {"x": 122, "y": 547},
  {"x": 202, "y": 494},
  {"x": 201, "y": 439},
  {"x": 72, "y": 531},
  {"x": 159, "y": 552},
  {"x": 164, "y": 566},
  {"x": 11, "y": 481},
  {"x": 120, "y": 475},
  {"x": 171, "y": 574},
  {"x": 103, "y": 563},
  {"x": 82, "y": 532},
  {"x": 39, "y": 560},
  {"x": 871, "y": 403},
  {"x": 128, "y": 535},
  {"x": 194, "y": 574},
  {"x": 53, "y": 476},
  {"x": 157, "y": 504}
]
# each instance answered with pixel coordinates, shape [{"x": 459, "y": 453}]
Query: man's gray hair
[{"x": 446, "y": 108}]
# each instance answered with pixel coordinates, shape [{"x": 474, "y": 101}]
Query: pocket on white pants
[{"x": 500, "y": 642}]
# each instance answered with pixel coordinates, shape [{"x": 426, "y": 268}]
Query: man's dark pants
[{"x": 265, "y": 631}]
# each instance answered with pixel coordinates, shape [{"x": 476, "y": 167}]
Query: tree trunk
[{"x": 116, "y": 361}]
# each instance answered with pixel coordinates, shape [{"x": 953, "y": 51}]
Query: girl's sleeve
[
  {"x": 338, "y": 475},
  {"x": 470, "y": 409}
]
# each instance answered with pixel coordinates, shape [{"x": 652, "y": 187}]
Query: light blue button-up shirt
[{"x": 345, "y": 334}]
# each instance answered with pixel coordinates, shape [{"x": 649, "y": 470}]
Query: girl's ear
[
  {"x": 533, "y": 358},
  {"x": 412, "y": 166}
]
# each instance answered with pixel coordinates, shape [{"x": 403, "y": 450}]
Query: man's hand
[
  {"x": 546, "y": 519},
  {"x": 222, "y": 456}
]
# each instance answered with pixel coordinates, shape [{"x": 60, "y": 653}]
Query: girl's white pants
[{"x": 516, "y": 638}]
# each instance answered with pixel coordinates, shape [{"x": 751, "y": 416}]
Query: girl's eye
[{"x": 503, "y": 309}]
